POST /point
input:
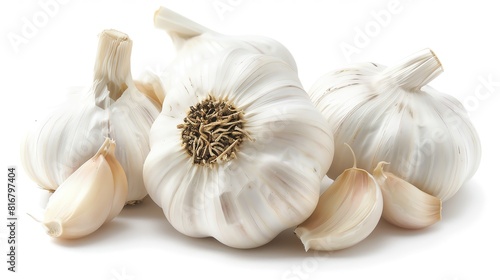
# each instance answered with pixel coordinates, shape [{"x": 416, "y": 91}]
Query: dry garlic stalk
[
  {"x": 94, "y": 194},
  {"x": 347, "y": 212},
  {"x": 404, "y": 204}
]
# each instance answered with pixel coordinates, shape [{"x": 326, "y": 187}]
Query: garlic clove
[
  {"x": 405, "y": 205},
  {"x": 120, "y": 183},
  {"x": 347, "y": 212},
  {"x": 86, "y": 199}
]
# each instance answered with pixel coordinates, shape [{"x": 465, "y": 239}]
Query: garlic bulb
[
  {"x": 390, "y": 114},
  {"x": 94, "y": 194},
  {"x": 404, "y": 204},
  {"x": 195, "y": 43},
  {"x": 113, "y": 107},
  {"x": 347, "y": 212},
  {"x": 238, "y": 151}
]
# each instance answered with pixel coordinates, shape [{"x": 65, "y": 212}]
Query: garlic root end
[{"x": 54, "y": 228}]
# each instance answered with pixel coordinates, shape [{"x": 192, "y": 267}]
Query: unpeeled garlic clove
[
  {"x": 95, "y": 193},
  {"x": 347, "y": 212},
  {"x": 405, "y": 205}
]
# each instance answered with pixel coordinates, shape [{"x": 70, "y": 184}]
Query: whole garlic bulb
[
  {"x": 112, "y": 108},
  {"x": 238, "y": 151},
  {"x": 390, "y": 114},
  {"x": 195, "y": 43}
]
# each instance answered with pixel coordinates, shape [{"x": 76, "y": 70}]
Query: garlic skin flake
[
  {"x": 195, "y": 42},
  {"x": 347, "y": 212},
  {"x": 94, "y": 194},
  {"x": 404, "y": 204},
  {"x": 112, "y": 108},
  {"x": 390, "y": 114},
  {"x": 238, "y": 151}
]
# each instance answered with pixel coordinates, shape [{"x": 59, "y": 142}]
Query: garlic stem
[
  {"x": 178, "y": 26},
  {"x": 112, "y": 74},
  {"x": 414, "y": 72}
]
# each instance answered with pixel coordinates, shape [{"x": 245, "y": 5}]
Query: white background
[{"x": 141, "y": 245}]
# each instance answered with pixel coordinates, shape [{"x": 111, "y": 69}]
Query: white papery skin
[
  {"x": 195, "y": 43},
  {"x": 390, "y": 114},
  {"x": 274, "y": 181},
  {"x": 112, "y": 108}
]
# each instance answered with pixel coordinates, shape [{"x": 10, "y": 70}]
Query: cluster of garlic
[
  {"x": 228, "y": 143},
  {"x": 390, "y": 117}
]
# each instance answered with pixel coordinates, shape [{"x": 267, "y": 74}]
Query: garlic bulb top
[
  {"x": 112, "y": 108},
  {"x": 238, "y": 151},
  {"x": 195, "y": 42},
  {"x": 390, "y": 114}
]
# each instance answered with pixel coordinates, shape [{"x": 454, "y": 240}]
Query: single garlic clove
[
  {"x": 83, "y": 202},
  {"x": 347, "y": 212},
  {"x": 405, "y": 205}
]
